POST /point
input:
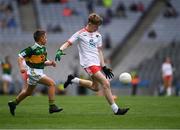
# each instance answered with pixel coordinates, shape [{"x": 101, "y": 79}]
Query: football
[{"x": 125, "y": 78}]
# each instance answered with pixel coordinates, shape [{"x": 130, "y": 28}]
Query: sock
[
  {"x": 114, "y": 107},
  {"x": 15, "y": 101},
  {"x": 51, "y": 102},
  {"x": 75, "y": 80},
  {"x": 169, "y": 92}
]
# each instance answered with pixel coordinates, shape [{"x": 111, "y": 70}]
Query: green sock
[
  {"x": 15, "y": 101},
  {"x": 51, "y": 102}
]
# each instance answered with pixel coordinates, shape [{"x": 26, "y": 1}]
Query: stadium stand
[
  {"x": 9, "y": 17},
  {"x": 166, "y": 28},
  {"x": 52, "y": 15}
]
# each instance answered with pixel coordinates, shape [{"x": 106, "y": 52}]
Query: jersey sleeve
[
  {"x": 25, "y": 53},
  {"x": 99, "y": 41},
  {"x": 73, "y": 38}
]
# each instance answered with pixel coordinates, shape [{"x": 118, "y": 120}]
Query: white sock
[
  {"x": 169, "y": 92},
  {"x": 75, "y": 80},
  {"x": 114, "y": 107}
]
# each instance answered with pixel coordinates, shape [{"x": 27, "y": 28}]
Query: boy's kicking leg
[
  {"x": 93, "y": 85},
  {"x": 82, "y": 82}
]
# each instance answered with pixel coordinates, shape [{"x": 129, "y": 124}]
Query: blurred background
[{"x": 137, "y": 36}]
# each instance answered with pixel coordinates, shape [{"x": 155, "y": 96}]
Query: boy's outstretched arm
[
  {"x": 50, "y": 63},
  {"x": 107, "y": 71},
  {"x": 60, "y": 52}
]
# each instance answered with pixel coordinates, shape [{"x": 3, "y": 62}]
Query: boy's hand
[
  {"x": 108, "y": 72},
  {"x": 23, "y": 70},
  {"x": 53, "y": 63},
  {"x": 59, "y": 53}
]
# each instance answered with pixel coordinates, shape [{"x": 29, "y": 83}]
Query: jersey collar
[
  {"x": 36, "y": 44},
  {"x": 85, "y": 28}
]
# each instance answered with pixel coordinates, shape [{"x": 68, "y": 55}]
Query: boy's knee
[
  {"x": 52, "y": 83},
  {"x": 106, "y": 85},
  {"x": 96, "y": 89}
]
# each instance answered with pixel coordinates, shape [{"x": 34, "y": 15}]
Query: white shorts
[
  {"x": 34, "y": 75},
  {"x": 7, "y": 77}
]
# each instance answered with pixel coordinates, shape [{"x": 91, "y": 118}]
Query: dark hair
[
  {"x": 95, "y": 19},
  {"x": 38, "y": 34}
]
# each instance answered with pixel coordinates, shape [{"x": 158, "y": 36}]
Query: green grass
[{"x": 82, "y": 112}]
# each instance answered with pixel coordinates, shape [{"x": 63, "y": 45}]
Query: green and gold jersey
[
  {"x": 6, "y": 68},
  {"x": 35, "y": 56}
]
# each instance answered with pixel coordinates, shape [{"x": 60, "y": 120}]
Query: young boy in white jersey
[{"x": 92, "y": 60}]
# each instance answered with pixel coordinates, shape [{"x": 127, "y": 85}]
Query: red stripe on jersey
[{"x": 82, "y": 30}]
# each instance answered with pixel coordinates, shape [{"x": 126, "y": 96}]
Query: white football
[{"x": 125, "y": 77}]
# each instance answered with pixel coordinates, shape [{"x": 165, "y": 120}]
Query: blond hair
[{"x": 95, "y": 19}]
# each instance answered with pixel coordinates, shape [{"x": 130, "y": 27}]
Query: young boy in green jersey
[{"x": 36, "y": 59}]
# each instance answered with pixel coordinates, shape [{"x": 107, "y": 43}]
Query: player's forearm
[
  {"x": 20, "y": 62},
  {"x": 48, "y": 63},
  {"x": 101, "y": 56},
  {"x": 102, "y": 62},
  {"x": 21, "y": 65},
  {"x": 64, "y": 46}
]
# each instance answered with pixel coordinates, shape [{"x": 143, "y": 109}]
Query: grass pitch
[{"x": 81, "y": 112}]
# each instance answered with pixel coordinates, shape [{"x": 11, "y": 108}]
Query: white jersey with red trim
[
  {"x": 167, "y": 69},
  {"x": 88, "y": 43}
]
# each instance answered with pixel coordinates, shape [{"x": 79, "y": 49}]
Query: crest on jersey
[{"x": 92, "y": 43}]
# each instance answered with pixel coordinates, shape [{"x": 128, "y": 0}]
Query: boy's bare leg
[
  {"x": 51, "y": 93},
  {"x": 19, "y": 98},
  {"x": 89, "y": 84},
  {"x": 99, "y": 77},
  {"x": 51, "y": 84},
  {"x": 25, "y": 93}
]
